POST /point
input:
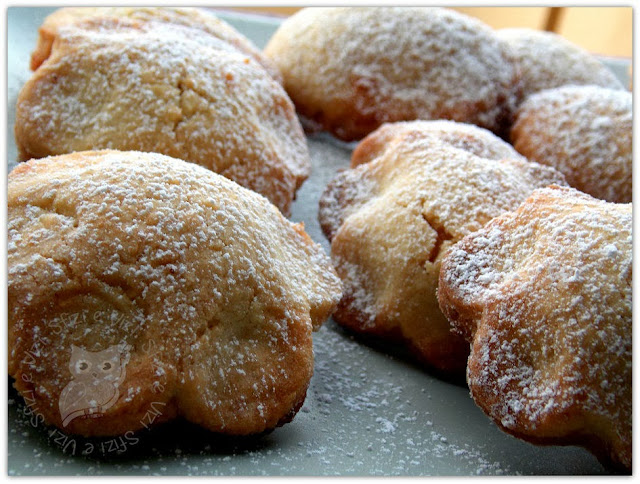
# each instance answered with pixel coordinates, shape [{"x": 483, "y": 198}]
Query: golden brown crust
[
  {"x": 203, "y": 22},
  {"x": 161, "y": 87},
  {"x": 466, "y": 137},
  {"x": 392, "y": 218},
  {"x": 213, "y": 293},
  {"x": 353, "y": 69},
  {"x": 586, "y": 133},
  {"x": 544, "y": 296}
]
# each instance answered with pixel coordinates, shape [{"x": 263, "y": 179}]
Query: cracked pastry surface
[
  {"x": 544, "y": 295},
  {"x": 547, "y": 60},
  {"x": 352, "y": 69},
  {"x": 117, "y": 83},
  {"x": 586, "y": 132},
  {"x": 391, "y": 218},
  {"x": 208, "y": 28},
  {"x": 215, "y": 293}
]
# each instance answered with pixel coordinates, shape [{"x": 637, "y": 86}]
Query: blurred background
[{"x": 604, "y": 31}]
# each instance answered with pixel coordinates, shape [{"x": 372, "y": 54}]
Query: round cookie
[
  {"x": 544, "y": 295},
  {"x": 547, "y": 60},
  {"x": 157, "y": 87},
  {"x": 583, "y": 131},
  {"x": 391, "y": 219},
  {"x": 352, "y": 69},
  {"x": 199, "y": 290},
  {"x": 208, "y": 27}
]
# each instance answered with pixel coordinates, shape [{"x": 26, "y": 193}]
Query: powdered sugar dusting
[
  {"x": 207, "y": 28},
  {"x": 585, "y": 132},
  {"x": 211, "y": 273},
  {"x": 327, "y": 437},
  {"x": 352, "y": 188},
  {"x": 552, "y": 347},
  {"x": 464, "y": 136},
  {"x": 192, "y": 101},
  {"x": 547, "y": 60},
  {"x": 391, "y": 220},
  {"x": 338, "y": 431},
  {"x": 353, "y": 69}
]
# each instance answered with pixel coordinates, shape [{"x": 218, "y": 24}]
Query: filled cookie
[
  {"x": 547, "y": 60},
  {"x": 585, "y": 132},
  {"x": 351, "y": 69},
  {"x": 391, "y": 218},
  {"x": 208, "y": 28},
  {"x": 140, "y": 284},
  {"x": 118, "y": 83},
  {"x": 544, "y": 296}
]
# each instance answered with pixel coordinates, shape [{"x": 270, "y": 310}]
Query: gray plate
[{"x": 367, "y": 413}]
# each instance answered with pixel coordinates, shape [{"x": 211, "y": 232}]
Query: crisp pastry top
[
  {"x": 547, "y": 60},
  {"x": 114, "y": 247},
  {"x": 544, "y": 294},
  {"x": 129, "y": 85},
  {"x": 586, "y": 132},
  {"x": 352, "y": 69},
  {"x": 464, "y": 136},
  {"x": 208, "y": 28},
  {"x": 392, "y": 218},
  {"x": 430, "y": 159}
]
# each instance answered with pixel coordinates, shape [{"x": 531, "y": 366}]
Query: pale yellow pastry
[
  {"x": 583, "y": 131},
  {"x": 117, "y": 83},
  {"x": 391, "y": 219},
  {"x": 141, "y": 288},
  {"x": 351, "y": 69},
  {"x": 547, "y": 60},
  {"x": 544, "y": 295},
  {"x": 208, "y": 28}
]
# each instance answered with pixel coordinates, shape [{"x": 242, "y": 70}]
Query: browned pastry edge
[
  {"x": 227, "y": 405},
  {"x": 448, "y": 361},
  {"x": 573, "y": 425}
]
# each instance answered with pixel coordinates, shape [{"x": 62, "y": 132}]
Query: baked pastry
[
  {"x": 547, "y": 60},
  {"x": 544, "y": 296},
  {"x": 157, "y": 87},
  {"x": 353, "y": 69},
  {"x": 185, "y": 293},
  {"x": 391, "y": 219},
  {"x": 208, "y": 28},
  {"x": 583, "y": 131},
  {"x": 466, "y": 137}
]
